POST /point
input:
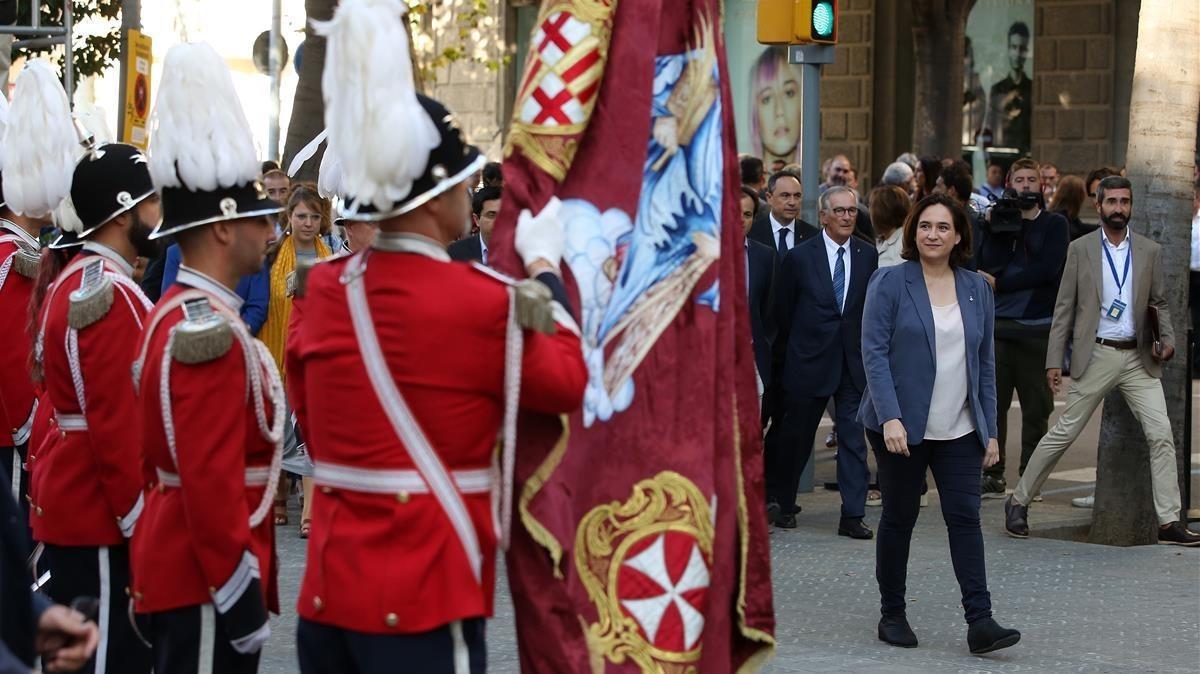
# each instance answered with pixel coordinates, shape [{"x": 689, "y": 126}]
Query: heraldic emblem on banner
[
  {"x": 562, "y": 77},
  {"x": 645, "y": 564}
]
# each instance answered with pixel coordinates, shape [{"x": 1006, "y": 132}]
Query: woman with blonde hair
[{"x": 304, "y": 217}]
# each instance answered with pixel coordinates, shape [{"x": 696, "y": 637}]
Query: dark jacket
[
  {"x": 19, "y": 607},
  {"x": 761, "y": 230},
  {"x": 900, "y": 354},
  {"x": 815, "y": 340},
  {"x": 761, "y": 263},
  {"x": 467, "y": 250},
  {"x": 1027, "y": 265}
]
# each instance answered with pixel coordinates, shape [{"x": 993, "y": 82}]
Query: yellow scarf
[{"x": 279, "y": 310}]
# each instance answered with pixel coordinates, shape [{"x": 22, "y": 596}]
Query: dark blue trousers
[
  {"x": 325, "y": 649},
  {"x": 790, "y": 445},
  {"x": 14, "y": 458},
  {"x": 956, "y": 467}
]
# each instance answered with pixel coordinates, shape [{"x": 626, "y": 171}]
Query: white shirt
[
  {"x": 791, "y": 235},
  {"x": 1122, "y": 329},
  {"x": 482, "y": 251},
  {"x": 949, "y": 417},
  {"x": 889, "y": 249},
  {"x": 1196, "y": 241},
  {"x": 831, "y": 252}
]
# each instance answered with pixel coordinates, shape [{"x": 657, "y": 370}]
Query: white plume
[
  {"x": 376, "y": 125},
  {"x": 199, "y": 136},
  {"x": 330, "y": 182},
  {"x": 66, "y": 218},
  {"x": 3, "y": 126},
  {"x": 40, "y": 144},
  {"x": 306, "y": 153}
]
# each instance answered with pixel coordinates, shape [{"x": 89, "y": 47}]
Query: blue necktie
[
  {"x": 783, "y": 244},
  {"x": 839, "y": 278}
]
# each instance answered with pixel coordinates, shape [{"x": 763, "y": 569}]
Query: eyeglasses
[{"x": 843, "y": 212}]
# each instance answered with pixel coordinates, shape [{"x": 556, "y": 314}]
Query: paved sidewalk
[{"x": 1081, "y": 608}]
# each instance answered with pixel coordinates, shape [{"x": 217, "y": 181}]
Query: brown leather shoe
[{"x": 1176, "y": 533}]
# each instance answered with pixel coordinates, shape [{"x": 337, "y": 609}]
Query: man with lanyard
[
  {"x": 1110, "y": 290},
  {"x": 88, "y": 479},
  {"x": 39, "y": 141},
  {"x": 203, "y": 553},
  {"x": 402, "y": 367}
]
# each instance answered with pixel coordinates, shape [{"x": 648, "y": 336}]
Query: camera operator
[{"x": 1021, "y": 256}]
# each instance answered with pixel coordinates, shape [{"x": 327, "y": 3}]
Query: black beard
[
  {"x": 1114, "y": 221},
  {"x": 139, "y": 236}
]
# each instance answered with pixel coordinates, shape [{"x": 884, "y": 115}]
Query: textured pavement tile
[{"x": 1080, "y": 608}]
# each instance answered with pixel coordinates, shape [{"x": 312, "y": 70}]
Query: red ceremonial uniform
[
  {"x": 391, "y": 562},
  {"x": 87, "y": 476},
  {"x": 194, "y": 543},
  {"x": 16, "y": 387}
]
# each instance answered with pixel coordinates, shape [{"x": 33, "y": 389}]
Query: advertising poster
[
  {"x": 998, "y": 76},
  {"x": 766, "y": 91}
]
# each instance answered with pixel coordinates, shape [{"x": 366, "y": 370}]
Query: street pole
[
  {"x": 810, "y": 57},
  {"x": 275, "y": 66},
  {"x": 131, "y": 19},
  {"x": 69, "y": 53}
]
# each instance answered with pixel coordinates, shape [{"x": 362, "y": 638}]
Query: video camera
[{"x": 1006, "y": 211}]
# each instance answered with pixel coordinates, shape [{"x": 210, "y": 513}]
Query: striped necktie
[{"x": 839, "y": 278}]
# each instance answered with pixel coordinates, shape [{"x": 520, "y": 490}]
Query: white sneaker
[{"x": 1084, "y": 501}]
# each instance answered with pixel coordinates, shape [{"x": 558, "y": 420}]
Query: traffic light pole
[{"x": 810, "y": 58}]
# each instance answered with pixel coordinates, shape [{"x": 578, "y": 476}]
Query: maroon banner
[{"x": 643, "y": 545}]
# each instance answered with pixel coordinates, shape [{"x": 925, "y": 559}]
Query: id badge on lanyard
[{"x": 1116, "y": 310}]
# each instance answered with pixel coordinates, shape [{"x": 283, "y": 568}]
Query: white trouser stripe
[
  {"x": 16, "y": 476},
  {"x": 462, "y": 657},
  {"x": 103, "y": 617},
  {"x": 208, "y": 636}
]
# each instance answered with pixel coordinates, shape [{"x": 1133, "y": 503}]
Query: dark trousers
[
  {"x": 11, "y": 457},
  {"x": 789, "y": 447},
  {"x": 193, "y": 640},
  {"x": 1021, "y": 366},
  {"x": 325, "y": 649},
  {"x": 81, "y": 574},
  {"x": 955, "y": 465},
  {"x": 1194, "y": 305}
]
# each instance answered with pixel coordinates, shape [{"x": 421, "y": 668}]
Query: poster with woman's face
[
  {"x": 998, "y": 70},
  {"x": 766, "y": 90}
]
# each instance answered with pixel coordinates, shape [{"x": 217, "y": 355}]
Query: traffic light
[{"x": 797, "y": 21}]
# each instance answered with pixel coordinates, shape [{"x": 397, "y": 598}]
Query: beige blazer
[{"x": 1077, "y": 309}]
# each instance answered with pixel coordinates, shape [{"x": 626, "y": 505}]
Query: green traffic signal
[{"x": 823, "y": 19}]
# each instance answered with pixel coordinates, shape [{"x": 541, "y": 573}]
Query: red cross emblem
[
  {"x": 564, "y": 72},
  {"x": 663, "y": 585}
]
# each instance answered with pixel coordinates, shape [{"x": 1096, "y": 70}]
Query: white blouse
[{"x": 949, "y": 417}]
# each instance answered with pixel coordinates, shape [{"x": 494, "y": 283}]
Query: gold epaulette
[
  {"x": 202, "y": 335},
  {"x": 535, "y": 302},
  {"x": 92, "y": 299},
  {"x": 25, "y": 262}
]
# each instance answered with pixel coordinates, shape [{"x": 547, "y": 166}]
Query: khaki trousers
[{"x": 1120, "y": 369}]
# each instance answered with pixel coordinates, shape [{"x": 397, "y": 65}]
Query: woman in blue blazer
[{"x": 930, "y": 404}]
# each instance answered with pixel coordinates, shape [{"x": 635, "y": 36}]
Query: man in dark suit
[
  {"x": 761, "y": 265},
  {"x": 818, "y": 355},
  {"x": 485, "y": 206},
  {"x": 780, "y": 226},
  {"x": 30, "y": 624}
]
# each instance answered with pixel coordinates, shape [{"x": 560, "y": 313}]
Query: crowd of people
[{"x": 914, "y": 316}]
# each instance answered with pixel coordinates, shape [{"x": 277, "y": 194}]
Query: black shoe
[
  {"x": 992, "y": 486},
  {"x": 786, "y": 521},
  {"x": 1176, "y": 533},
  {"x": 854, "y": 528},
  {"x": 1016, "y": 518},
  {"x": 985, "y": 636},
  {"x": 896, "y": 631}
]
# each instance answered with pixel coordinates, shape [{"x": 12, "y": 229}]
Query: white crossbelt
[
  {"x": 256, "y": 476},
  {"x": 71, "y": 422},
  {"x": 393, "y": 481}
]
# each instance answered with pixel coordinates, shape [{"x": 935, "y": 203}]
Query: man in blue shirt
[{"x": 255, "y": 289}]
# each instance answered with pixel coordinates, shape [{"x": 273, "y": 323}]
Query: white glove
[{"x": 541, "y": 236}]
